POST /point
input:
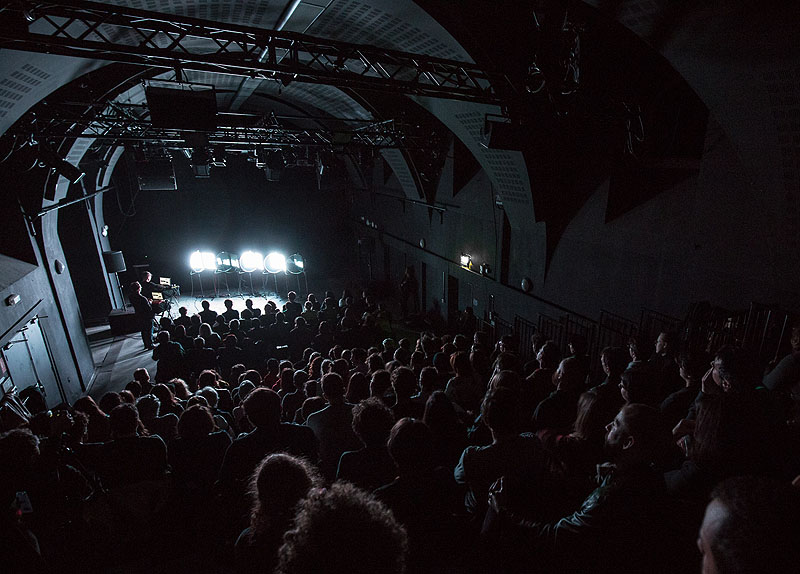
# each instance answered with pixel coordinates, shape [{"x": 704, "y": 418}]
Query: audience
[{"x": 171, "y": 464}]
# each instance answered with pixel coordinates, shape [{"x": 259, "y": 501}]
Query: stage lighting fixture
[
  {"x": 295, "y": 264},
  {"x": 209, "y": 261},
  {"x": 275, "y": 262},
  {"x": 196, "y": 262},
  {"x": 58, "y": 164},
  {"x": 227, "y": 262},
  {"x": 251, "y": 261},
  {"x": 465, "y": 260}
]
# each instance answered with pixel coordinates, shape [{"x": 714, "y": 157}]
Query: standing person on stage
[
  {"x": 144, "y": 313},
  {"x": 148, "y": 287}
]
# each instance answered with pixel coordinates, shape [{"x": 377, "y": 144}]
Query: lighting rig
[{"x": 224, "y": 264}]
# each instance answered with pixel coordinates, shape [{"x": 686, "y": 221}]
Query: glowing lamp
[{"x": 275, "y": 262}]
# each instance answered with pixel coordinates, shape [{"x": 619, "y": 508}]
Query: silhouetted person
[{"x": 143, "y": 312}]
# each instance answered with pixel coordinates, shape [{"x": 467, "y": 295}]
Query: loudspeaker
[
  {"x": 156, "y": 175},
  {"x": 114, "y": 261}
]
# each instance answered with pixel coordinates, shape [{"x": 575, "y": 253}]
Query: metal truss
[
  {"x": 121, "y": 34},
  {"x": 118, "y": 123}
]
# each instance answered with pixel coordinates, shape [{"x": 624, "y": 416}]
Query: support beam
[{"x": 121, "y": 34}]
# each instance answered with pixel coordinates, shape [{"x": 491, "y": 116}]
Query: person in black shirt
[{"x": 144, "y": 314}]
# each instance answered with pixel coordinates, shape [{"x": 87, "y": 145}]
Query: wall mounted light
[
  {"x": 422, "y": 243},
  {"x": 485, "y": 269},
  {"x": 466, "y": 261}
]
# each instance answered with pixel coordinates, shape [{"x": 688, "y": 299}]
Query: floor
[{"x": 115, "y": 358}]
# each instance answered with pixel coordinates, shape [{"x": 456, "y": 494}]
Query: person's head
[
  {"x": 411, "y": 447},
  {"x": 590, "y": 422},
  {"x": 375, "y": 362},
  {"x": 732, "y": 370},
  {"x": 135, "y": 388},
  {"x": 278, "y": 484},
  {"x": 287, "y": 380},
  {"x": 372, "y": 541},
  {"x": 614, "y": 361},
  {"x": 109, "y": 400},
  {"x": 428, "y": 379},
  {"x": 372, "y": 421},
  {"x": 439, "y": 411},
  {"x": 19, "y": 450},
  {"x": 163, "y": 337},
  {"x": 637, "y": 435},
  {"x": 639, "y": 386},
  {"x": 210, "y": 394},
  {"x": 404, "y": 383},
  {"x": 148, "y": 407},
  {"x": 441, "y": 362},
  {"x": 333, "y": 388},
  {"x": 634, "y": 349},
  {"x": 164, "y": 394},
  {"x": 195, "y": 423},
  {"x": 312, "y": 405},
  {"x": 508, "y": 379},
  {"x": 357, "y": 388},
  {"x": 461, "y": 364},
  {"x": 124, "y": 421},
  {"x": 665, "y": 344},
  {"x": 228, "y": 304},
  {"x": 569, "y": 375},
  {"x": 263, "y": 408},
  {"x": 380, "y": 383},
  {"x": 549, "y": 355},
  {"x": 500, "y": 410},
  {"x": 692, "y": 365},
  {"x": 207, "y": 378},
  {"x": 206, "y": 305},
  {"x": 147, "y": 276},
  {"x": 578, "y": 344},
  {"x": 142, "y": 376},
  {"x": 87, "y": 406},
  {"x": 291, "y": 296},
  {"x": 751, "y": 525},
  {"x": 135, "y": 287}
]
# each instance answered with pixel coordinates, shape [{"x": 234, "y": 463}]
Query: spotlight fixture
[
  {"x": 62, "y": 167},
  {"x": 275, "y": 262},
  {"x": 295, "y": 264},
  {"x": 227, "y": 262},
  {"x": 485, "y": 269},
  {"x": 201, "y": 261},
  {"x": 466, "y": 261},
  {"x": 252, "y": 261},
  {"x": 104, "y": 231}
]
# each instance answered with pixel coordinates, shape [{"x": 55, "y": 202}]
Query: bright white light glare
[
  {"x": 465, "y": 260},
  {"x": 209, "y": 260},
  {"x": 275, "y": 262},
  {"x": 251, "y": 261},
  {"x": 196, "y": 261},
  {"x": 299, "y": 264}
]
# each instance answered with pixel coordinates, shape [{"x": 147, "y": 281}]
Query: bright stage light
[
  {"x": 251, "y": 261},
  {"x": 275, "y": 262},
  {"x": 227, "y": 262},
  {"x": 295, "y": 264},
  {"x": 196, "y": 262},
  {"x": 209, "y": 261}
]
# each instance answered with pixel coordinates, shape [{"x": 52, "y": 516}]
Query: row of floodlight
[{"x": 248, "y": 262}]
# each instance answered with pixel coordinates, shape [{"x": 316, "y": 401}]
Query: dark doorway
[{"x": 452, "y": 300}]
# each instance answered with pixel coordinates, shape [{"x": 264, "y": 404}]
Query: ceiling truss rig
[
  {"x": 121, "y": 34},
  {"x": 116, "y": 124}
]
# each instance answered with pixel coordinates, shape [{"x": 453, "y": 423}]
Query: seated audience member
[
  {"x": 263, "y": 409},
  {"x": 578, "y": 347},
  {"x": 317, "y": 542},
  {"x": 614, "y": 361},
  {"x": 255, "y": 311},
  {"x": 449, "y": 433},
  {"x": 207, "y": 315},
  {"x": 292, "y": 308},
  {"x": 404, "y": 384},
  {"x": 310, "y": 406},
  {"x": 558, "y": 410},
  {"x": 128, "y": 458},
  {"x": 463, "y": 389},
  {"x": 625, "y": 525},
  {"x": 165, "y": 426},
  {"x": 299, "y": 339},
  {"x": 751, "y": 525},
  {"x": 539, "y": 384},
  {"x": 278, "y": 485},
  {"x": 371, "y": 466},
  {"x": 196, "y": 454},
  {"x": 231, "y": 354},
  {"x": 230, "y": 313},
  {"x": 142, "y": 376},
  {"x": 380, "y": 386},
  {"x": 169, "y": 358},
  {"x": 135, "y": 389},
  {"x": 575, "y": 455},
  {"x": 785, "y": 376},
  {"x": 99, "y": 426},
  {"x": 691, "y": 367},
  {"x": 422, "y": 498},
  {"x": 664, "y": 365},
  {"x": 333, "y": 426},
  {"x": 169, "y": 402},
  {"x": 510, "y": 453},
  {"x": 108, "y": 401},
  {"x": 293, "y": 400},
  {"x": 197, "y": 359},
  {"x": 640, "y": 386},
  {"x": 357, "y": 388},
  {"x": 183, "y": 318}
]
